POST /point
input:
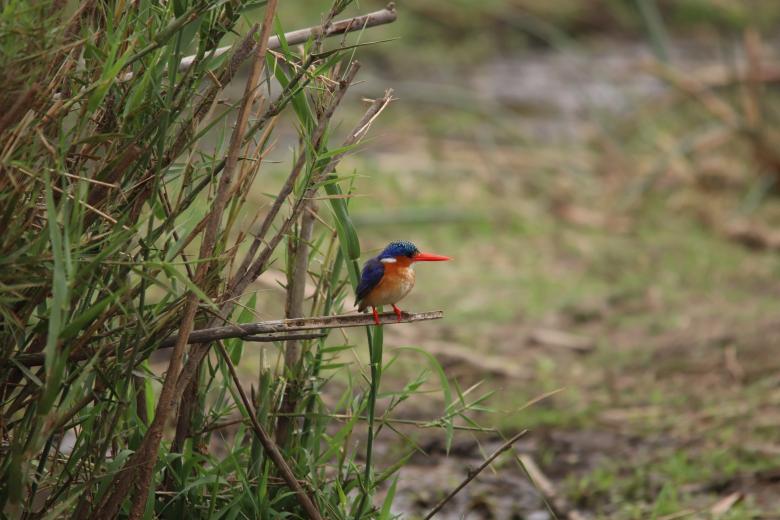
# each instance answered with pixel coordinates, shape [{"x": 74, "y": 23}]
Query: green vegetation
[
  {"x": 643, "y": 225},
  {"x": 125, "y": 221}
]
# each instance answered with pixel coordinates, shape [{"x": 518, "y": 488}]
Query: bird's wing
[{"x": 371, "y": 275}]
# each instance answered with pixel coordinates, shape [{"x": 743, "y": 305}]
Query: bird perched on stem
[{"x": 389, "y": 276}]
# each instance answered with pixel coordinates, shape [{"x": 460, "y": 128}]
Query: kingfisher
[{"x": 389, "y": 276}]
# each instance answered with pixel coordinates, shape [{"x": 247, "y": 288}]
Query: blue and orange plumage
[{"x": 389, "y": 276}]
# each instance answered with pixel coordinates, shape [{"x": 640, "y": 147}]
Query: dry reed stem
[
  {"x": 138, "y": 470},
  {"x": 268, "y": 444},
  {"x": 191, "y": 399},
  {"x": 296, "y": 286},
  {"x": 357, "y": 23}
]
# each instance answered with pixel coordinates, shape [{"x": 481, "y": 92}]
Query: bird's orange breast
[{"x": 397, "y": 281}]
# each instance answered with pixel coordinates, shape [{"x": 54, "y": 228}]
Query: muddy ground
[
  {"x": 711, "y": 438},
  {"x": 599, "y": 290}
]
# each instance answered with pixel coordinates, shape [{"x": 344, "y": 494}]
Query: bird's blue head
[
  {"x": 399, "y": 248},
  {"x": 402, "y": 249}
]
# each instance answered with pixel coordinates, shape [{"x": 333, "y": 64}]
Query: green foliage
[{"x": 111, "y": 157}]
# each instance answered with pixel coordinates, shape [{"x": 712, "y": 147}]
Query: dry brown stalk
[
  {"x": 190, "y": 402},
  {"x": 296, "y": 286},
  {"x": 268, "y": 444},
  {"x": 188, "y": 407},
  {"x": 138, "y": 470}
]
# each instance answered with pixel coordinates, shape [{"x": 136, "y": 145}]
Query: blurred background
[{"x": 604, "y": 173}]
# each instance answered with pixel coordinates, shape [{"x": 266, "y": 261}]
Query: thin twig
[
  {"x": 425, "y": 425},
  {"x": 283, "y": 337},
  {"x": 357, "y": 23},
  {"x": 268, "y": 444},
  {"x": 472, "y": 474}
]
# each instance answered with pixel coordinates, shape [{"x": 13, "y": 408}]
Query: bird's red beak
[{"x": 428, "y": 257}]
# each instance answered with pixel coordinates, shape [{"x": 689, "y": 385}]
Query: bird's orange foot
[
  {"x": 397, "y": 312},
  {"x": 376, "y": 316}
]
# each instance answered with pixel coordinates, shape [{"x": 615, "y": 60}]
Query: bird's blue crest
[{"x": 399, "y": 248}]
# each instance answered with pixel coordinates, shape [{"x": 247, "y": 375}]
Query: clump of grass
[{"x": 124, "y": 225}]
